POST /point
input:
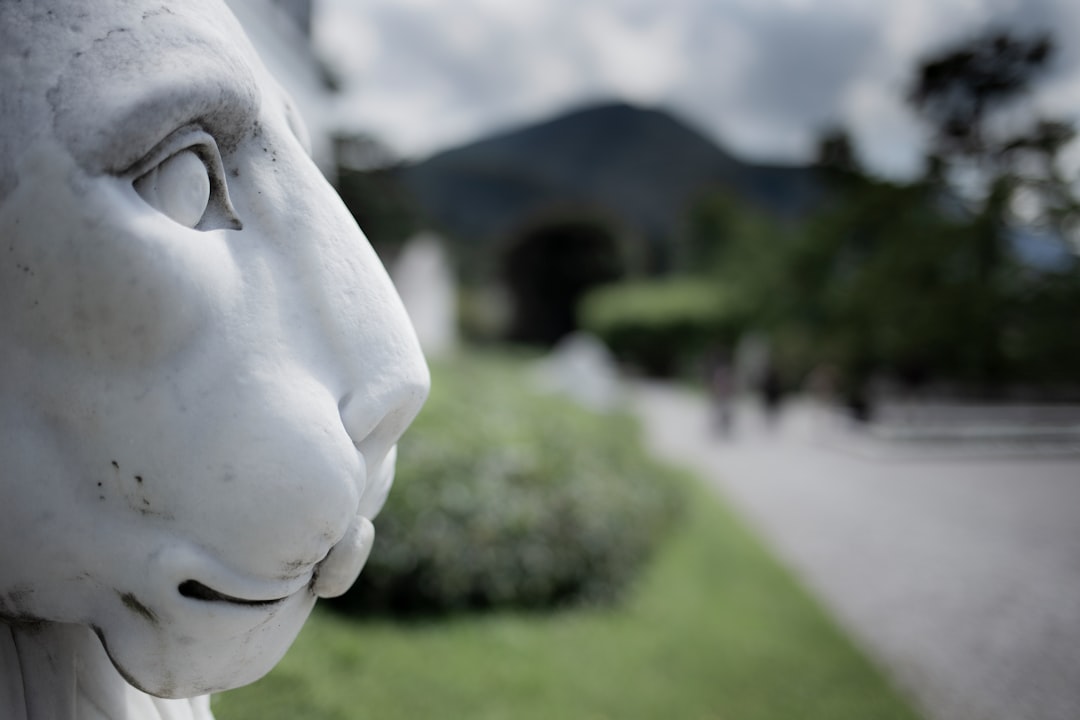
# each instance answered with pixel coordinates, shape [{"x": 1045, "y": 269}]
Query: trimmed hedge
[
  {"x": 508, "y": 498},
  {"x": 660, "y": 326}
]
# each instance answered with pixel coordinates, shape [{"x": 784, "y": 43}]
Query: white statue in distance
[{"x": 204, "y": 369}]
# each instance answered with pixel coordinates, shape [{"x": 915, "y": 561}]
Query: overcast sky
[{"x": 761, "y": 77}]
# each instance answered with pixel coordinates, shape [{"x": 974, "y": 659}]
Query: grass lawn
[{"x": 715, "y": 629}]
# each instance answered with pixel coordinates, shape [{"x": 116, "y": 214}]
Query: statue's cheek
[{"x": 104, "y": 279}]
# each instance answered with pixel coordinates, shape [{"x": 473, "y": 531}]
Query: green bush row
[
  {"x": 508, "y": 498},
  {"x": 659, "y": 326}
]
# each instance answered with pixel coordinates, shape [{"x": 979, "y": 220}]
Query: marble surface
[{"x": 204, "y": 368}]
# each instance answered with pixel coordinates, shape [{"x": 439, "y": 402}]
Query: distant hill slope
[{"x": 644, "y": 166}]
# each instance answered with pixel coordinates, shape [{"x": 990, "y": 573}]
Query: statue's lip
[{"x": 197, "y": 591}]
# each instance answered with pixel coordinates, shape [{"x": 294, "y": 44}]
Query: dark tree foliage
[
  {"x": 922, "y": 282},
  {"x": 957, "y": 89},
  {"x": 369, "y": 182},
  {"x": 961, "y": 94},
  {"x": 381, "y": 207},
  {"x": 836, "y": 152},
  {"x": 975, "y": 99}
]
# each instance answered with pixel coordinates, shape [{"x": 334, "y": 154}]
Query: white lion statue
[{"x": 204, "y": 369}]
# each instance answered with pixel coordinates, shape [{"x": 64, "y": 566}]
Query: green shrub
[
  {"x": 659, "y": 326},
  {"x": 504, "y": 497}
]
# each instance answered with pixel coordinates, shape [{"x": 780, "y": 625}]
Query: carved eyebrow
[
  {"x": 109, "y": 114},
  {"x": 227, "y": 110}
]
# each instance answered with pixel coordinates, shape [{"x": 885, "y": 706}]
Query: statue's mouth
[{"x": 197, "y": 591}]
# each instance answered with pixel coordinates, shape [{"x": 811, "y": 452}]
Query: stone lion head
[{"x": 204, "y": 368}]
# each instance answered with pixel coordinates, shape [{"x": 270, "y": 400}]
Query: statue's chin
[
  {"x": 204, "y": 645},
  {"x": 202, "y": 628}
]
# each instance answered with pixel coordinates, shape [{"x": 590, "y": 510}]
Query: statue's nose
[
  {"x": 360, "y": 341},
  {"x": 374, "y": 418},
  {"x": 383, "y": 377}
]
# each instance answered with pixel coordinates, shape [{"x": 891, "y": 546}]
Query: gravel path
[{"x": 960, "y": 576}]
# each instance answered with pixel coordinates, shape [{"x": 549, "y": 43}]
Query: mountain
[{"x": 644, "y": 167}]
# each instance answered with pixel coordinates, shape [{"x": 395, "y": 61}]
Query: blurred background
[{"x": 757, "y": 367}]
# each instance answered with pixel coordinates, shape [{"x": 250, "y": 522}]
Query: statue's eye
[
  {"x": 178, "y": 187},
  {"x": 183, "y": 179}
]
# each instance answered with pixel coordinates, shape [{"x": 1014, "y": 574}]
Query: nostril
[
  {"x": 375, "y": 422},
  {"x": 345, "y": 412}
]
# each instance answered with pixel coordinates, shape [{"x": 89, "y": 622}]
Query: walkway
[{"x": 961, "y": 576}]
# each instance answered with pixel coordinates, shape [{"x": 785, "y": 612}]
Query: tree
[
  {"x": 988, "y": 139},
  {"x": 992, "y": 150},
  {"x": 921, "y": 281},
  {"x": 888, "y": 278},
  {"x": 836, "y": 153},
  {"x": 369, "y": 182},
  {"x": 957, "y": 90}
]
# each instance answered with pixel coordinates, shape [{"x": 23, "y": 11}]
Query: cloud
[
  {"x": 761, "y": 76},
  {"x": 785, "y": 74}
]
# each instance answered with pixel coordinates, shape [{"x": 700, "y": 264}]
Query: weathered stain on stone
[{"x": 132, "y": 603}]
